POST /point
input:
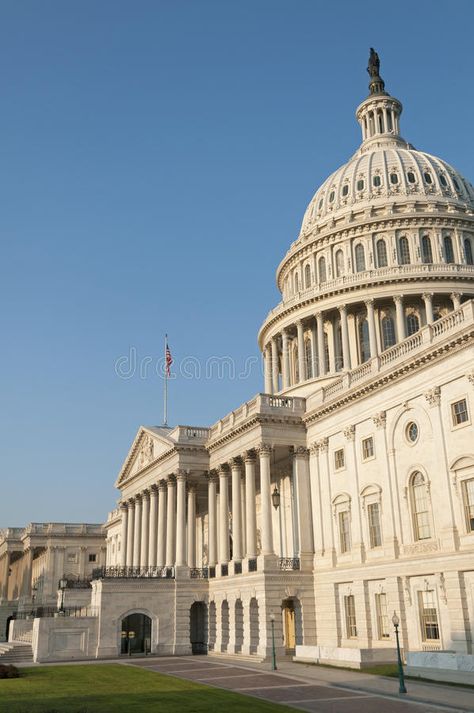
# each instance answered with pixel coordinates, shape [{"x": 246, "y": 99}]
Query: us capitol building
[{"x": 343, "y": 492}]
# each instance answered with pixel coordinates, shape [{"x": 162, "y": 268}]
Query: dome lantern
[{"x": 379, "y": 114}]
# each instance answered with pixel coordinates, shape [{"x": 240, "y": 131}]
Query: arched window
[
  {"x": 364, "y": 341},
  {"x": 420, "y": 507},
  {"x": 403, "y": 251},
  {"x": 338, "y": 347},
  {"x": 322, "y": 269},
  {"x": 308, "y": 358},
  {"x": 448, "y": 249},
  {"x": 468, "y": 251},
  {"x": 339, "y": 263},
  {"x": 388, "y": 332},
  {"x": 426, "y": 253},
  {"x": 296, "y": 282},
  {"x": 307, "y": 276},
  {"x": 326, "y": 351},
  {"x": 413, "y": 324},
  {"x": 360, "y": 258},
  {"x": 381, "y": 253}
]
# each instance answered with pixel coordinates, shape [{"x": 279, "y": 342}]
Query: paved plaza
[{"x": 312, "y": 688}]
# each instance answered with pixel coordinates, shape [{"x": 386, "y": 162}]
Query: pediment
[{"x": 149, "y": 444}]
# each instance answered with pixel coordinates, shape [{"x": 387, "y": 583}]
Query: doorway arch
[
  {"x": 198, "y": 628},
  {"x": 292, "y": 624},
  {"x": 135, "y": 634}
]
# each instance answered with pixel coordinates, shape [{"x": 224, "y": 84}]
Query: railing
[
  {"x": 431, "y": 647},
  {"x": 76, "y": 612},
  {"x": 78, "y": 584},
  {"x": 262, "y": 403},
  {"x": 133, "y": 573},
  {"x": 252, "y": 565},
  {"x": 289, "y": 564},
  {"x": 199, "y": 573}
]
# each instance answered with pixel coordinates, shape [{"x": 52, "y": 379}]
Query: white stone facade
[{"x": 345, "y": 491}]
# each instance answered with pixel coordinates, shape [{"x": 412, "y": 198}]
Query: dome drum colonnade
[
  {"x": 348, "y": 243},
  {"x": 158, "y": 527}
]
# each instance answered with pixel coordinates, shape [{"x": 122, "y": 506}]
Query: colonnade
[
  {"x": 286, "y": 365},
  {"x": 158, "y": 525}
]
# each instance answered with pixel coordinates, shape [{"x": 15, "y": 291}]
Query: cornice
[{"x": 257, "y": 420}]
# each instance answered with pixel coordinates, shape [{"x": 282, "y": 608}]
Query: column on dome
[
  {"x": 192, "y": 526},
  {"x": 371, "y": 324},
  {"x": 224, "y": 550},
  {"x": 314, "y": 350},
  {"x": 285, "y": 359},
  {"x": 180, "y": 518},
  {"x": 275, "y": 369},
  {"x": 428, "y": 300},
  {"x": 264, "y": 452},
  {"x": 153, "y": 526},
  {"x": 330, "y": 325},
  {"x": 137, "y": 531},
  {"x": 170, "y": 521},
  {"x": 145, "y": 528},
  {"x": 212, "y": 520},
  {"x": 161, "y": 549},
  {"x": 123, "y": 534},
  {"x": 400, "y": 311},
  {"x": 267, "y": 363},
  {"x": 236, "y": 471},
  {"x": 346, "y": 357},
  {"x": 456, "y": 299},
  {"x": 301, "y": 351},
  {"x": 130, "y": 531},
  {"x": 250, "y": 505},
  {"x": 321, "y": 349}
]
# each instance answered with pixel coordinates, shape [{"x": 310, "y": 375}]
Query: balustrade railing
[
  {"x": 76, "y": 612},
  {"x": 133, "y": 573},
  {"x": 78, "y": 584},
  {"x": 289, "y": 564},
  {"x": 199, "y": 572}
]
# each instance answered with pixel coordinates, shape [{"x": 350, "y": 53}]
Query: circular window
[
  {"x": 331, "y": 196},
  {"x": 427, "y": 177},
  {"x": 394, "y": 178},
  {"x": 377, "y": 181},
  {"x": 412, "y": 432},
  {"x": 345, "y": 189},
  {"x": 442, "y": 179},
  {"x": 411, "y": 177},
  {"x": 360, "y": 185}
]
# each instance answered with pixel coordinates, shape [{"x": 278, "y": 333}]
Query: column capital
[
  {"x": 131, "y": 503},
  {"x": 236, "y": 463},
  {"x": 153, "y": 489},
  {"x": 145, "y": 494},
  {"x": 171, "y": 481},
  {"x": 342, "y": 309},
  {"x": 123, "y": 505},
  {"x": 299, "y": 451},
  {"x": 427, "y": 295},
  {"x": 313, "y": 448},
  {"x": 223, "y": 470},
  {"x": 181, "y": 475},
  {"x": 318, "y": 315},
  {"x": 456, "y": 295},
  {"x": 380, "y": 419},
  {"x": 398, "y": 299},
  {"x": 211, "y": 476},
  {"x": 249, "y": 456},
  {"x": 433, "y": 396},
  {"x": 162, "y": 485},
  {"x": 323, "y": 445},
  {"x": 264, "y": 449},
  {"x": 137, "y": 498},
  {"x": 349, "y": 432},
  {"x": 369, "y": 302}
]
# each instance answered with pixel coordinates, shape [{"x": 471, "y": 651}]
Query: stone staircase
[
  {"x": 15, "y": 652},
  {"x": 235, "y": 658}
]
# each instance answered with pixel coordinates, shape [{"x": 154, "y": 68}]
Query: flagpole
[{"x": 165, "y": 389}]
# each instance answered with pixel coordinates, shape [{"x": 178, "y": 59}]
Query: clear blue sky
[{"x": 156, "y": 161}]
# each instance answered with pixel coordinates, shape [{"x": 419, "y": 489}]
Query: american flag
[{"x": 168, "y": 358}]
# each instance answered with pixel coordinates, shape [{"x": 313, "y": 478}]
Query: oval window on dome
[
  {"x": 331, "y": 197},
  {"x": 320, "y": 204},
  {"x": 442, "y": 180},
  {"x": 456, "y": 184},
  {"x": 394, "y": 178},
  {"x": 411, "y": 177},
  {"x": 377, "y": 181},
  {"x": 345, "y": 189},
  {"x": 428, "y": 178},
  {"x": 360, "y": 184}
]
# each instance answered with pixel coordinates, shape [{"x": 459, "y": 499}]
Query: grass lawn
[{"x": 113, "y": 688}]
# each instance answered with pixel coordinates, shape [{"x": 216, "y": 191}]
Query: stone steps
[
  {"x": 15, "y": 653},
  {"x": 234, "y": 658}
]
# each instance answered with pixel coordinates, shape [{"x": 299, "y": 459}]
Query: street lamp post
[
  {"x": 401, "y": 676},
  {"x": 62, "y": 587},
  {"x": 274, "y": 663}
]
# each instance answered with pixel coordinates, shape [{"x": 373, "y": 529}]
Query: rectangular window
[
  {"x": 459, "y": 412},
  {"x": 339, "y": 459},
  {"x": 344, "y": 531},
  {"x": 428, "y": 616},
  {"x": 92, "y": 558},
  {"x": 375, "y": 533},
  {"x": 468, "y": 497},
  {"x": 349, "y": 608},
  {"x": 72, "y": 557},
  {"x": 383, "y": 626},
  {"x": 367, "y": 448}
]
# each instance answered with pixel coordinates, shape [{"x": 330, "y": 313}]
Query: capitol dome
[{"x": 386, "y": 247}]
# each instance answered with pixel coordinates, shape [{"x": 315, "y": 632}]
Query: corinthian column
[
  {"x": 153, "y": 531},
  {"x": 268, "y": 370},
  {"x": 170, "y": 521},
  {"x": 250, "y": 506},
  {"x": 212, "y": 524},
  {"x": 161, "y": 556},
  {"x": 275, "y": 369},
  {"x": 264, "y": 452},
  {"x": 192, "y": 526},
  {"x": 346, "y": 357},
  {"x": 301, "y": 352},
  {"x": 236, "y": 470},
  {"x": 130, "y": 531},
  {"x": 428, "y": 300},
  {"x": 398, "y": 299},
  {"x": 371, "y": 324},
  {"x": 181, "y": 519},
  {"x": 285, "y": 359},
  {"x": 321, "y": 349},
  {"x": 145, "y": 528},
  {"x": 123, "y": 534},
  {"x": 137, "y": 532},
  {"x": 223, "y": 515}
]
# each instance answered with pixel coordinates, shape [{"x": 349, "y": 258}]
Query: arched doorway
[
  {"x": 198, "y": 628},
  {"x": 136, "y": 634},
  {"x": 254, "y": 626},
  {"x": 292, "y": 624},
  {"x": 239, "y": 626},
  {"x": 225, "y": 625},
  {"x": 212, "y": 626}
]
